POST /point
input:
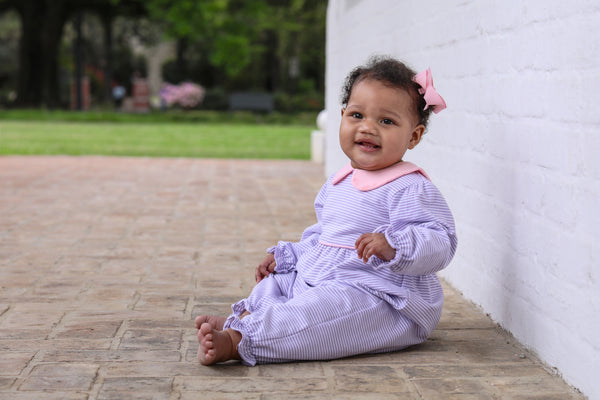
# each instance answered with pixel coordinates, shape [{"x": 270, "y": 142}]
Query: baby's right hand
[{"x": 265, "y": 268}]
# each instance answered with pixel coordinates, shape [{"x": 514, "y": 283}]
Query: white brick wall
[{"x": 517, "y": 153}]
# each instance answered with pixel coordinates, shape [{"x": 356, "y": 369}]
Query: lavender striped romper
[{"x": 323, "y": 302}]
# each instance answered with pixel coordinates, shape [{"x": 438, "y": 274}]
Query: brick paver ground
[{"x": 104, "y": 263}]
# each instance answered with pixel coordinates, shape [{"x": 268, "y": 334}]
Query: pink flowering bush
[{"x": 186, "y": 94}]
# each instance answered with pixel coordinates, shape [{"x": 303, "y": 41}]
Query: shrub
[{"x": 186, "y": 95}]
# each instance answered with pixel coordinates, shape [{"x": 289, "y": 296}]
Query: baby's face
[{"x": 378, "y": 125}]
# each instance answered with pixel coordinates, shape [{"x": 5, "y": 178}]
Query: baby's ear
[
  {"x": 417, "y": 133},
  {"x": 343, "y": 111}
]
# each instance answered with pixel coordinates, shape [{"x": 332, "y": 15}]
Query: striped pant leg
[
  {"x": 324, "y": 322},
  {"x": 276, "y": 288}
]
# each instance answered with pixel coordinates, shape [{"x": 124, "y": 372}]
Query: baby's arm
[
  {"x": 284, "y": 255},
  {"x": 421, "y": 231}
]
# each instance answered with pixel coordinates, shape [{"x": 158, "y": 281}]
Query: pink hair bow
[{"x": 431, "y": 96}]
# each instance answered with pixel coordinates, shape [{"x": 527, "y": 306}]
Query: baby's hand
[
  {"x": 374, "y": 244},
  {"x": 265, "y": 268}
]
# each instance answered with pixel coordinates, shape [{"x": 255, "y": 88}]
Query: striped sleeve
[{"x": 421, "y": 229}]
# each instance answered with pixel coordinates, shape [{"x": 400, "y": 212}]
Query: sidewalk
[{"x": 104, "y": 263}]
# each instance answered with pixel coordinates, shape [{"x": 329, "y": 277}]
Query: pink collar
[{"x": 365, "y": 180}]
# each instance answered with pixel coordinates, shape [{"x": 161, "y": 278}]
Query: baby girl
[{"x": 363, "y": 278}]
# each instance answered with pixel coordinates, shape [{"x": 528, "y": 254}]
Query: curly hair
[{"x": 392, "y": 73}]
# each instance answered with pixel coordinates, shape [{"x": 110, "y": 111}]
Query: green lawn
[{"x": 155, "y": 139}]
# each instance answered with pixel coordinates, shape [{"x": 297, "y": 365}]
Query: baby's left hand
[{"x": 374, "y": 244}]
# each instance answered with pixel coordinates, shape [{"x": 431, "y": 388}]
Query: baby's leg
[
  {"x": 263, "y": 295},
  {"x": 324, "y": 323},
  {"x": 268, "y": 292},
  {"x": 214, "y": 321},
  {"x": 272, "y": 290},
  {"x": 217, "y": 346}
]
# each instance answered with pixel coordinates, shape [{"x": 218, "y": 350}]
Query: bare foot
[
  {"x": 217, "y": 346},
  {"x": 215, "y": 322}
]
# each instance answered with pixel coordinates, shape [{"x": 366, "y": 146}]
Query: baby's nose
[{"x": 368, "y": 126}]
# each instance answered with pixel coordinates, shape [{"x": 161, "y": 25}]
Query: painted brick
[{"x": 515, "y": 154}]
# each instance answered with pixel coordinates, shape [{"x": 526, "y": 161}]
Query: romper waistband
[{"x": 337, "y": 245}]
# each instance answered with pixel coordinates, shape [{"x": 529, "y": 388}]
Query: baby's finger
[
  {"x": 359, "y": 250},
  {"x": 260, "y": 273},
  {"x": 361, "y": 244},
  {"x": 367, "y": 254},
  {"x": 371, "y": 250}
]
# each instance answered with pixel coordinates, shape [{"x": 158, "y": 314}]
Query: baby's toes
[{"x": 207, "y": 341}]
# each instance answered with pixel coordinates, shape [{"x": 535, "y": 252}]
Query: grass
[
  {"x": 228, "y": 136},
  {"x": 195, "y": 116}
]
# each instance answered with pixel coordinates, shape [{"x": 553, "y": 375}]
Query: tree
[
  {"x": 226, "y": 29},
  {"x": 41, "y": 29},
  {"x": 42, "y": 24},
  {"x": 10, "y": 28},
  {"x": 258, "y": 39},
  {"x": 250, "y": 44}
]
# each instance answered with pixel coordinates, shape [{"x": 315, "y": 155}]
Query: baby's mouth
[{"x": 370, "y": 146}]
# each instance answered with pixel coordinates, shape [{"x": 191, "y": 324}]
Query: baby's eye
[
  {"x": 387, "y": 121},
  {"x": 357, "y": 115}
]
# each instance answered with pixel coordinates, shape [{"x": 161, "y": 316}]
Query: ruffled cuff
[
  {"x": 284, "y": 258},
  {"x": 245, "y": 345}
]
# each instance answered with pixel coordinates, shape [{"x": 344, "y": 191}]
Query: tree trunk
[
  {"x": 29, "y": 86},
  {"x": 56, "y": 16},
  {"x": 78, "y": 61},
  {"x": 181, "y": 61},
  {"x": 107, "y": 20},
  {"x": 41, "y": 30},
  {"x": 272, "y": 61}
]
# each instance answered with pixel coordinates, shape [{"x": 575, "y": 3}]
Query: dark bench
[{"x": 251, "y": 101}]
